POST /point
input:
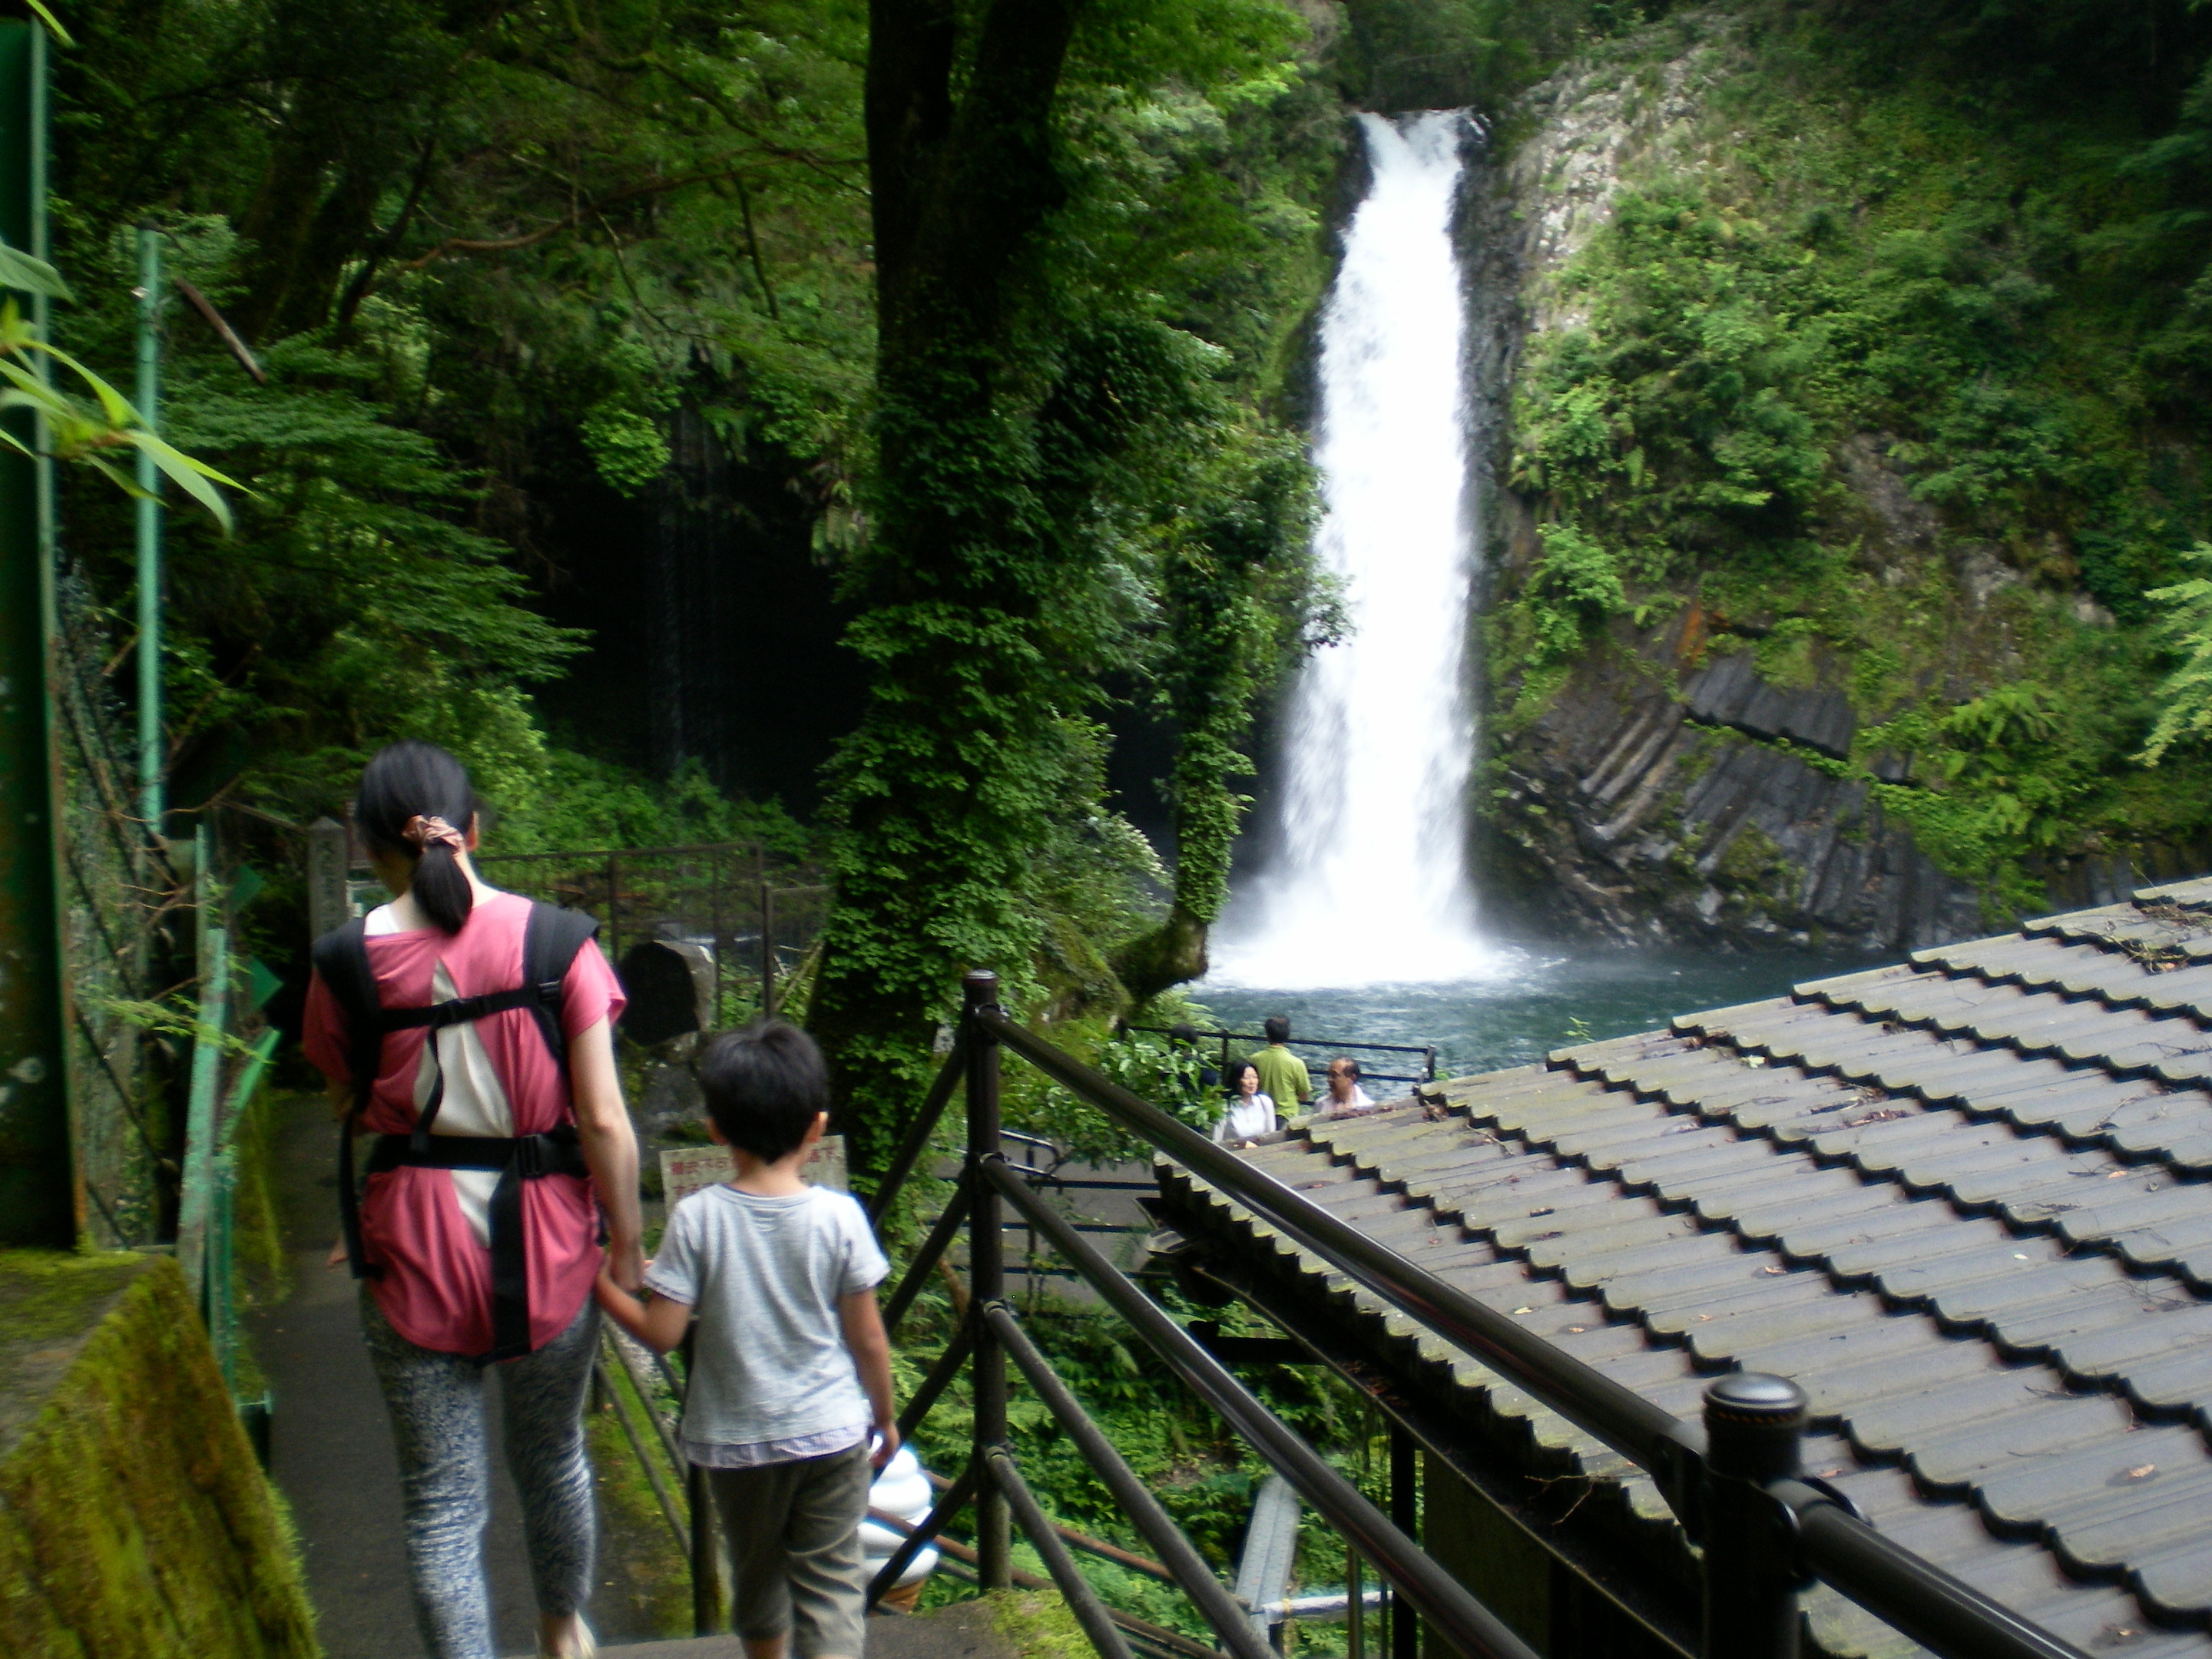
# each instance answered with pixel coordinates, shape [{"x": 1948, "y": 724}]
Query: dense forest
[{"x": 973, "y": 345}]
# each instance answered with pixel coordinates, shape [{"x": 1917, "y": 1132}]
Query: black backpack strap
[
  {"x": 550, "y": 945},
  {"x": 341, "y": 956}
]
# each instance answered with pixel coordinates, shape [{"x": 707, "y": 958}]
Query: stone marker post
[{"x": 329, "y": 904}]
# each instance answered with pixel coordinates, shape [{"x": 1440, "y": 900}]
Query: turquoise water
[{"x": 1539, "y": 999}]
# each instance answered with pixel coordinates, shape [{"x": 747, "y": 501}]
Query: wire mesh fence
[{"x": 757, "y": 919}]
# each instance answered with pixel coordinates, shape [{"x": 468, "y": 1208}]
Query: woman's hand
[
  {"x": 336, "y": 1258},
  {"x": 626, "y": 1264}
]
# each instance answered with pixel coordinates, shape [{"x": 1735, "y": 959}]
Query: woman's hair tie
[{"x": 426, "y": 832}]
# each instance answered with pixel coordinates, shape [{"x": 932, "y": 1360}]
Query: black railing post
[
  {"x": 1405, "y": 1516},
  {"x": 1753, "y": 1423},
  {"x": 986, "y": 1281}
]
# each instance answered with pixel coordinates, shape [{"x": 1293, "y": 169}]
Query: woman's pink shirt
[{"x": 436, "y": 1287}]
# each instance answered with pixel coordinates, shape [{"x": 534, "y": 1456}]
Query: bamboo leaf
[
  {"x": 120, "y": 412},
  {"x": 53, "y": 24},
  {"x": 187, "y": 474},
  {"x": 18, "y": 269}
]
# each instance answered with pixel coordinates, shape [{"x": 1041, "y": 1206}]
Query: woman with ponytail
[{"x": 502, "y": 1140}]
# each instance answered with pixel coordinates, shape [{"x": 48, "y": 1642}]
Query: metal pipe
[
  {"x": 193, "y": 1204},
  {"x": 1314, "y": 1607},
  {"x": 1097, "y": 1546},
  {"x": 919, "y": 1131},
  {"x": 44, "y": 1199},
  {"x": 1075, "y": 1589},
  {"x": 614, "y": 908},
  {"x": 768, "y": 948},
  {"x": 1294, "y": 1042},
  {"x": 1753, "y": 1425},
  {"x": 1455, "y": 1616},
  {"x": 669, "y": 1512},
  {"x": 152, "y": 802},
  {"x": 638, "y": 1381},
  {"x": 1405, "y": 1515},
  {"x": 957, "y": 1556},
  {"x": 987, "y": 1276},
  {"x": 1214, "y": 1603},
  {"x": 1633, "y": 1425},
  {"x": 1913, "y": 1596},
  {"x": 925, "y": 1260}
]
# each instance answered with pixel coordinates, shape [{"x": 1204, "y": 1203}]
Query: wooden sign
[{"x": 686, "y": 1169}]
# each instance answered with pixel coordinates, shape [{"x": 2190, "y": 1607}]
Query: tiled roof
[{"x": 1962, "y": 1202}]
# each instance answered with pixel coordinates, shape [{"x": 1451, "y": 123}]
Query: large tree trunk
[{"x": 941, "y": 810}]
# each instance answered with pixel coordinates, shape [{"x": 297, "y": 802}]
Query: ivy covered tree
[{"x": 1067, "y": 483}]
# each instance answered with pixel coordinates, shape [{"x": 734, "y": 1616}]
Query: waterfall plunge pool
[{"x": 1534, "y": 999}]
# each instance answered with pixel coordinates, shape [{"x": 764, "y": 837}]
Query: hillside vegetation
[{"x": 1888, "y": 365}]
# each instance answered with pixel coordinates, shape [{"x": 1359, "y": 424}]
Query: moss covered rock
[{"x": 133, "y": 1517}]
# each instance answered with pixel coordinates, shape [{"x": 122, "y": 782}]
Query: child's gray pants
[
  {"x": 795, "y": 1557},
  {"x": 436, "y": 1404}
]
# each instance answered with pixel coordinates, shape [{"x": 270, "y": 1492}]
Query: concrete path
[{"x": 331, "y": 1447}]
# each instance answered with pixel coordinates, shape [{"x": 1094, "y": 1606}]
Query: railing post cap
[
  {"x": 1755, "y": 1397},
  {"x": 979, "y": 979}
]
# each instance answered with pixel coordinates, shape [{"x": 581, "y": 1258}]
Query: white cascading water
[{"x": 1368, "y": 884}]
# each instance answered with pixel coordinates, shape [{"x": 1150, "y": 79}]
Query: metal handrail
[
  {"x": 1442, "y": 1600},
  {"x": 917, "y": 1141},
  {"x": 1625, "y": 1420},
  {"x": 1182, "y": 1561},
  {"x": 1426, "y": 1051},
  {"x": 1706, "y": 1486}
]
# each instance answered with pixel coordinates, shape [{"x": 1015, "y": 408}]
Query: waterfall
[{"x": 1368, "y": 881}]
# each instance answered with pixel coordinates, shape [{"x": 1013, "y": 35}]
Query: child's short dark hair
[{"x": 764, "y": 1086}]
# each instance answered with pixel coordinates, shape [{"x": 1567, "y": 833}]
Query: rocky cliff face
[{"x": 1701, "y": 772}]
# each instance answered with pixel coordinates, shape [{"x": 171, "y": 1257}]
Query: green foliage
[
  {"x": 2184, "y": 715},
  {"x": 579, "y": 803},
  {"x": 1442, "y": 54},
  {"x": 1572, "y": 591},
  {"x": 626, "y": 447}
]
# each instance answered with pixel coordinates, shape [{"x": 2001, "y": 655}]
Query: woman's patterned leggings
[{"x": 436, "y": 1403}]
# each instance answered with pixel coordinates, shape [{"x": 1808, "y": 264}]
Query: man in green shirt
[{"x": 1283, "y": 1076}]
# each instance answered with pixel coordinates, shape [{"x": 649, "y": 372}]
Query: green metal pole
[
  {"x": 151, "y": 803},
  {"x": 38, "y": 1188},
  {"x": 193, "y": 1208}
]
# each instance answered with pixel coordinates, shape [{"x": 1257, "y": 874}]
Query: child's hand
[
  {"x": 625, "y": 1262},
  {"x": 887, "y": 1445}
]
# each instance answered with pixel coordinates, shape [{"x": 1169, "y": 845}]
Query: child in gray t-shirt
[{"x": 790, "y": 1374}]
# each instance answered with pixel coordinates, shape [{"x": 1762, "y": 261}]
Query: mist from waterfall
[{"x": 1368, "y": 881}]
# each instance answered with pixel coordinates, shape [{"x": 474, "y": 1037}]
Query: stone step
[{"x": 963, "y": 1631}]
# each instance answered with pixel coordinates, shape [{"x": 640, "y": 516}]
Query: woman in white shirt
[{"x": 1250, "y": 1113}]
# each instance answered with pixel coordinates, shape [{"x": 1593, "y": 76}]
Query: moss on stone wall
[{"x": 133, "y": 1518}]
